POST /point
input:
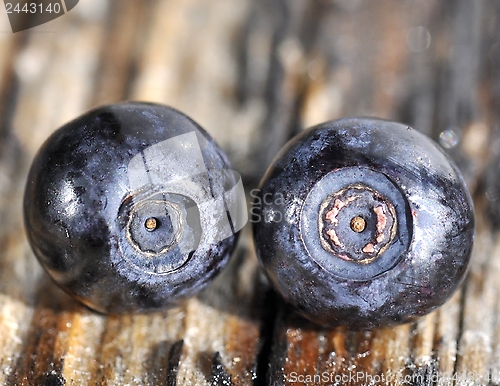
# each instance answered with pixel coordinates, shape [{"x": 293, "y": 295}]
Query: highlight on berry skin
[{"x": 376, "y": 224}]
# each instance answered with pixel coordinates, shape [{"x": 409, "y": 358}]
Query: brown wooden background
[{"x": 253, "y": 73}]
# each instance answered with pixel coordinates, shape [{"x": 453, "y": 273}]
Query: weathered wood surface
[{"x": 253, "y": 73}]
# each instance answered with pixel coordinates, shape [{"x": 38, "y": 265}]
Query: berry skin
[
  {"x": 373, "y": 226},
  {"x": 123, "y": 207}
]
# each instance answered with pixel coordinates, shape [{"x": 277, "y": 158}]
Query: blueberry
[
  {"x": 128, "y": 207},
  {"x": 363, "y": 223}
]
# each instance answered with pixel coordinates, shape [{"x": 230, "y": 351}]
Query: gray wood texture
[{"x": 253, "y": 73}]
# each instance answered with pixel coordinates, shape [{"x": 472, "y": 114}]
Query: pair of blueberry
[{"x": 363, "y": 222}]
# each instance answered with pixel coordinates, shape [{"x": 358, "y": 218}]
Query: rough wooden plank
[
  {"x": 125, "y": 29},
  {"x": 55, "y": 72}
]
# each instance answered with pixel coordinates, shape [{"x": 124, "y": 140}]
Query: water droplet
[
  {"x": 448, "y": 139},
  {"x": 418, "y": 39},
  {"x": 492, "y": 194}
]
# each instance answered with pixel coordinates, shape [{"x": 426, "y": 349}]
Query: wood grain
[{"x": 253, "y": 73}]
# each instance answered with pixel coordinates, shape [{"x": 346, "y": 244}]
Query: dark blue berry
[
  {"x": 127, "y": 207},
  {"x": 373, "y": 226}
]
